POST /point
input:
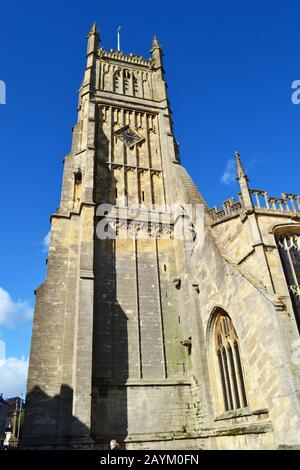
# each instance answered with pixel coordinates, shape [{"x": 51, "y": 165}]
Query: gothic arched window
[
  {"x": 146, "y": 88},
  {"x": 135, "y": 86},
  {"x": 229, "y": 364},
  {"x": 127, "y": 76},
  {"x": 117, "y": 82},
  {"x": 288, "y": 244}
]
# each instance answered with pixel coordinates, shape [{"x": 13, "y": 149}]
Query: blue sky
[{"x": 229, "y": 66}]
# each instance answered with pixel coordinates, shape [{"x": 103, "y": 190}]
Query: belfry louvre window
[
  {"x": 116, "y": 82},
  {"x": 127, "y": 77},
  {"x": 229, "y": 364},
  {"x": 135, "y": 86},
  {"x": 289, "y": 249}
]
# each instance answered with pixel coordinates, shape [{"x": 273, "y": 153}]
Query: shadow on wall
[
  {"x": 49, "y": 422},
  {"x": 43, "y": 416},
  {"x": 110, "y": 342}
]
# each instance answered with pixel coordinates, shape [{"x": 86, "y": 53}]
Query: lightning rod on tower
[{"x": 119, "y": 43}]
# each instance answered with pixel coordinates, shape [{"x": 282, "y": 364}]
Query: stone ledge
[
  {"x": 242, "y": 412},
  {"x": 289, "y": 447},
  {"x": 141, "y": 383},
  {"x": 256, "y": 428},
  {"x": 138, "y": 104},
  {"x": 86, "y": 274},
  {"x": 67, "y": 214}
]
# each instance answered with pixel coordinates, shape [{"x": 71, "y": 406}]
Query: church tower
[
  {"x": 110, "y": 319},
  {"x": 133, "y": 322}
]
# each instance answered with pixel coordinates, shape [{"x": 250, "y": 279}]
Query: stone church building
[{"x": 156, "y": 340}]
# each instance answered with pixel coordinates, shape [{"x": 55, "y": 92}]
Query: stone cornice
[{"x": 137, "y": 104}]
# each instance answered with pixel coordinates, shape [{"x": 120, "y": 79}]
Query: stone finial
[
  {"x": 241, "y": 173},
  {"x": 93, "y": 40},
  {"x": 242, "y": 178},
  {"x": 157, "y": 53},
  {"x": 155, "y": 43},
  {"x": 94, "y": 30}
]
